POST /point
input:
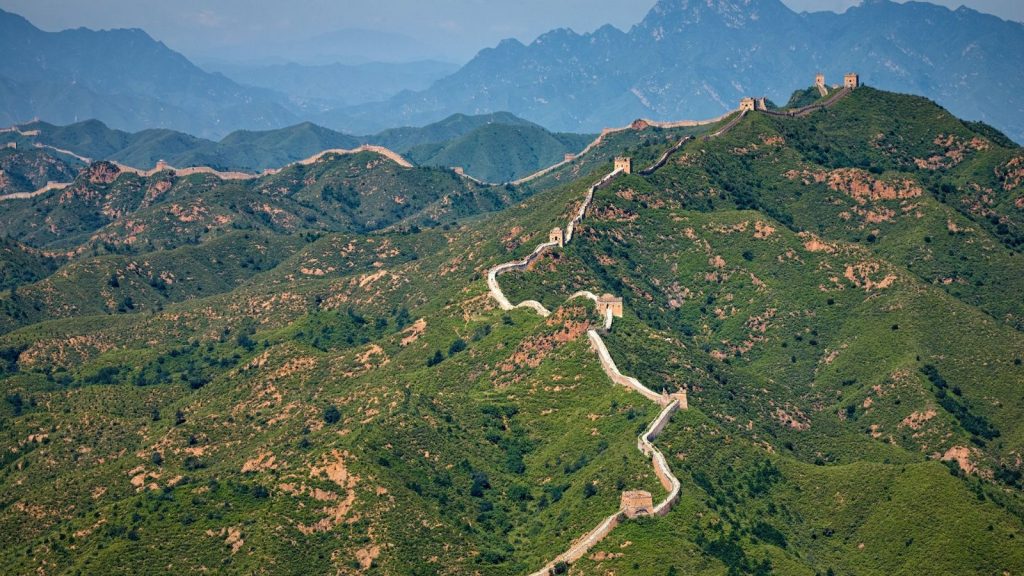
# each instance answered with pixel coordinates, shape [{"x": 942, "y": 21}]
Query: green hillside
[
  {"x": 492, "y": 147},
  {"x": 501, "y": 152},
  {"x": 312, "y": 376}
]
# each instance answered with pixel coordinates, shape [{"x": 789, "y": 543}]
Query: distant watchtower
[
  {"x": 459, "y": 170},
  {"x": 747, "y": 104},
  {"x": 555, "y": 236},
  {"x": 636, "y": 503},
  {"x": 569, "y": 157},
  {"x": 819, "y": 80},
  {"x": 609, "y": 302},
  {"x": 851, "y": 80},
  {"x": 624, "y": 163}
]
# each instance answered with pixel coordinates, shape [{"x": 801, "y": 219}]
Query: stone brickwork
[
  {"x": 609, "y": 302},
  {"x": 637, "y": 503},
  {"x": 555, "y": 237},
  {"x": 624, "y": 164},
  {"x": 851, "y": 80}
]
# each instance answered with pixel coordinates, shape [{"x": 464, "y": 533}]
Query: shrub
[
  {"x": 436, "y": 359},
  {"x": 457, "y": 346}
]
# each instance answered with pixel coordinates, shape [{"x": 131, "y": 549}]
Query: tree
[
  {"x": 157, "y": 458},
  {"x": 331, "y": 414}
]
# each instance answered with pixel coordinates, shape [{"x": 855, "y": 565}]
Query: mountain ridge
[{"x": 676, "y": 62}]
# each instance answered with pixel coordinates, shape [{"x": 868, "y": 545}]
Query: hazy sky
[{"x": 452, "y": 29}]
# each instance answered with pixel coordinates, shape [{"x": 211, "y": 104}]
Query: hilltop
[{"x": 208, "y": 378}]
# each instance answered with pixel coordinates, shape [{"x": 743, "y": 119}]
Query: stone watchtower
[
  {"x": 747, "y": 104},
  {"x": 609, "y": 302},
  {"x": 624, "y": 163},
  {"x": 636, "y": 503},
  {"x": 556, "y": 237},
  {"x": 851, "y": 80},
  {"x": 819, "y": 80}
]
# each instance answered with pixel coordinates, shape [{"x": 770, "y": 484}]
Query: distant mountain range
[
  {"x": 697, "y": 58},
  {"x": 493, "y": 147},
  {"x": 122, "y": 77},
  {"x": 686, "y": 59}
]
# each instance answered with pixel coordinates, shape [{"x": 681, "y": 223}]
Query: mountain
[
  {"x": 327, "y": 86},
  {"x": 123, "y": 77},
  {"x": 697, "y": 58},
  {"x": 309, "y": 372},
  {"x": 501, "y": 152},
  {"x": 503, "y": 145}
]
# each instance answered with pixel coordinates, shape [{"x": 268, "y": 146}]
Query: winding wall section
[{"x": 670, "y": 404}]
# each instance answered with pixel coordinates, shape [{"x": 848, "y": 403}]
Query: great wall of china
[
  {"x": 606, "y": 305},
  {"x": 162, "y": 166},
  {"x": 670, "y": 403},
  {"x": 609, "y": 307},
  {"x": 851, "y": 81}
]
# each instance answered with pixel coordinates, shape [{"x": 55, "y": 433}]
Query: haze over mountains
[
  {"x": 686, "y": 59},
  {"x": 697, "y": 58}
]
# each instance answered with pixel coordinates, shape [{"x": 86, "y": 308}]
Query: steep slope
[
  {"x": 696, "y": 58},
  {"x": 30, "y": 170}
]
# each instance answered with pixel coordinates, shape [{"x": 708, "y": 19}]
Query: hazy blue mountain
[
  {"x": 327, "y": 86},
  {"x": 697, "y": 58},
  {"x": 123, "y": 77}
]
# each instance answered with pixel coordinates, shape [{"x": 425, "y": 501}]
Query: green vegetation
[
  {"x": 300, "y": 374},
  {"x": 501, "y": 152}
]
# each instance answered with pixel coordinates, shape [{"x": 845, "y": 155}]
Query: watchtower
[
  {"x": 819, "y": 80},
  {"x": 624, "y": 163},
  {"x": 458, "y": 170},
  {"x": 162, "y": 165},
  {"x": 747, "y": 104},
  {"x": 569, "y": 157},
  {"x": 609, "y": 302},
  {"x": 636, "y": 503},
  {"x": 556, "y": 236},
  {"x": 680, "y": 395},
  {"x": 851, "y": 80}
]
